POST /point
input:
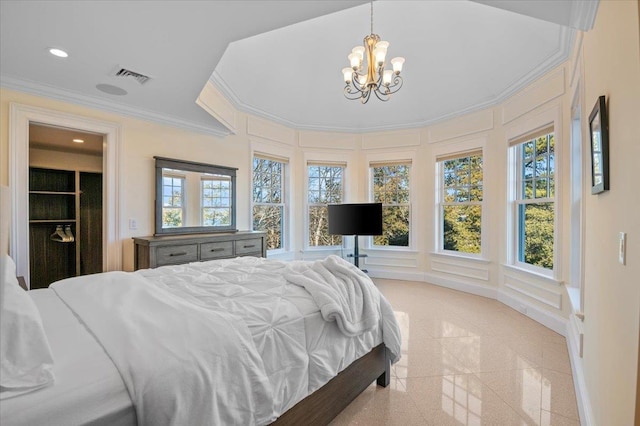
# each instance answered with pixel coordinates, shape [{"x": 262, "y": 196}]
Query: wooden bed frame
[{"x": 326, "y": 403}]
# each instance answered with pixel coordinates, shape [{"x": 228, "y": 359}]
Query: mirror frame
[{"x": 191, "y": 166}]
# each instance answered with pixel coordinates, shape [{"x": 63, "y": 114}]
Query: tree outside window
[
  {"x": 172, "y": 201},
  {"x": 391, "y": 188},
  {"x": 461, "y": 203},
  {"x": 535, "y": 201},
  {"x": 268, "y": 200},
  {"x": 325, "y": 186},
  {"x": 216, "y": 200}
]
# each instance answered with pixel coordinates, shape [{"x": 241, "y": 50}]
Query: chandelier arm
[
  {"x": 397, "y": 84},
  {"x": 356, "y": 82},
  {"x": 384, "y": 97},
  {"x": 352, "y": 95},
  {"x": 365, "y": 96}
]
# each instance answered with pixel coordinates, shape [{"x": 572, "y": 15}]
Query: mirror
[{"x": 194, "y": 197}]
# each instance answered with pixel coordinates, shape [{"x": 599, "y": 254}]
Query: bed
[{"x": 262, "y": 336}]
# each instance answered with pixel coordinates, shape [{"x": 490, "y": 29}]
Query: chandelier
[{"x": 362, "y": 82}]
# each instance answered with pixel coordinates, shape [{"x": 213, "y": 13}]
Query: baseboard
[
  {"x": 579, "y": 384},
  {"x": 393, "y": 275},
  {"x": 476, "y": 289},
  {"x": 548, "y": 319}
]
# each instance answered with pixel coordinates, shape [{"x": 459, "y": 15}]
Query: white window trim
[
  {"x": 453, "y": 149},
  {"x": 329, "y": 158},
  {"x": 551, "y": 117},
  {"x": 202, "y": 207},
  {"x": 386, "y": 156},
  {"x": 260, "y": 147},
  {"x": 183, "y": 195}
]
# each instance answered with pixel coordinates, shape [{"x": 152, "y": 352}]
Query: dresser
[{"x": 151, "y": 252}]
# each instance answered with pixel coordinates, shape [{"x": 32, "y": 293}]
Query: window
[
  {"x": 172, "y": 200},
  {"x": 391, "y": 188},
  {"x": 268, "y": 199},
  {"x": 460, "y": 202},
  {"x": 325, "y": 186},
  {"x": 535, "y": 194},
  {"x": 216, "y": 200}
]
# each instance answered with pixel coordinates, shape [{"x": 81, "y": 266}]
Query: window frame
[
  {"x": 382, "y": 163},
  {"x": 182, "y": 178},
  {"x": 468, "y": 150},
  {"x": 521, "y": 131},
  {"x": 213, "y": 178},
  {"x": 322, "y": 163},
  {"x": 284, "y": 204},
  {"x": 521, "y": 200}
]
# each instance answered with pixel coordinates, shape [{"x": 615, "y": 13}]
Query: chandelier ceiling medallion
[{"x": 361, "y": 82}]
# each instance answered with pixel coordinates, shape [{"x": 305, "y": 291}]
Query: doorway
[
  {"x": 20, "y": 118},
  {"x": 65, "y": 204}
]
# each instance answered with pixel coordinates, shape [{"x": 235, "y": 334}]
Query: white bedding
[
  {"x": 88, "y": 388},
  {"x": 300, "y": 351}
]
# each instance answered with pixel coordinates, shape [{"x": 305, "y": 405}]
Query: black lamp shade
[{"x": 355, "y": 219}]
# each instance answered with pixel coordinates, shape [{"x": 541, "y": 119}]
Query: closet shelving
[{"x": 65, "y": 198}]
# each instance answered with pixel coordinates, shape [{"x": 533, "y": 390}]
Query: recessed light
[
  {"x": 78, "y": 141},
  {"x": 58, "y": 52}
]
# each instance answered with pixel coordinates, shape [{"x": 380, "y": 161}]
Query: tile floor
[{"x": 467, "y": 360}]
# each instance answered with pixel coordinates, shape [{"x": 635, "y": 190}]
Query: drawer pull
[
  {"x": 217, "y": 249},
  {"x": 182, "y": 253},
  {"x": 250, "y": 246}
]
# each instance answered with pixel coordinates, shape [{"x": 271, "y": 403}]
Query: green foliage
[
  {"x": 324, "y": 187},
  {"x": 538, "y": 234},
  {"x": 536, "y": 228},
  {"x": 461, "y": 211},
  {"x": 171, "y": 217},
  {"x": 462, "y": 228},
  {"x": 395, "y": 227},
  {"x": 391, "y": 188}
]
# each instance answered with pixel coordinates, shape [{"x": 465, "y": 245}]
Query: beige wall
[
  {"x": 141, "y": 141},
  {"x": 611, "y": 55},
  {"x": 611, "y": 66}
]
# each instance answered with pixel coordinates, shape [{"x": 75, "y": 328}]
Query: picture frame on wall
[{"x": 599, "y": 137}]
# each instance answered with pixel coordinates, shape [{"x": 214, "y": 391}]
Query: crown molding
[
  {"x": 583, "y": 14},
  {"x": 48, "y": 91},
  {"x": 554, "y": 59}
]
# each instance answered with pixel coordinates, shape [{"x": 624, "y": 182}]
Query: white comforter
[{"x": 266, "y": 344}]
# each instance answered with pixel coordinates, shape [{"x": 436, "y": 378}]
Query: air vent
[{"x": 140, "y": 78}]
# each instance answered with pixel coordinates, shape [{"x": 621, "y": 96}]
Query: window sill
[
  {"x": 391, "y": 250},
  {"x": 546, "y": 278},
  {"x": 460, "y": 257},
  {"x": 320, "y": 249}
]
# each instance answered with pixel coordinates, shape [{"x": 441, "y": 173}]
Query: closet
[
  {"x": 65, "y": 224},
  {"x": 65, "y": 206}
]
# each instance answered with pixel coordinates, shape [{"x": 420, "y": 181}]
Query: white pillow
[{"x": 25, "y": 355}]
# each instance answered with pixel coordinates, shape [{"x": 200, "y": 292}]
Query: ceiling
[
  {"x": 61, "y": 139},
  {"x": 282, "y": 59}
]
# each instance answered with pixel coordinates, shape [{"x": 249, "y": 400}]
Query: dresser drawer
[
  {"x": 248, "y": 246},
  {"x": 216, "y": 250},
  {"x": 176, "y": 254}
]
